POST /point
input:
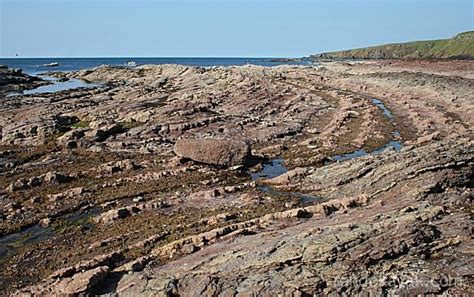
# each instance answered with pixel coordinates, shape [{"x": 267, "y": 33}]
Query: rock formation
[
  {"x": 337, "y": 178},
  {"x": 220, "y": 152},
  {"x": 16, "y": 80}
]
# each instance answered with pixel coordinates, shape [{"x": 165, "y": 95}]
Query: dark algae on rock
[{"x": 328, "y": 179}]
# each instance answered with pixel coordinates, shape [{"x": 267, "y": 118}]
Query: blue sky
[{"x": 220, "y": 28}]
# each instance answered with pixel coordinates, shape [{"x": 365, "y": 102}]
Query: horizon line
[{"x": 143, "y": 57}]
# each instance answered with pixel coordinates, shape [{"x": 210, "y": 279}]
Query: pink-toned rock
[
  {"x": 428, "y": 138},
  {"x": 115, "y": 214},
  {"x": 82, "y": 282},
  {"x": 219, "y": 152}
]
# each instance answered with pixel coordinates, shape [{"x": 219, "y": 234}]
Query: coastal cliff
[{"x": 460, "y": 46}]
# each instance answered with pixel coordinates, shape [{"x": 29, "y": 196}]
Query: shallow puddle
[
  {"x": 11, "y": 243},
  {"x": 396, "y": 145},
  {"x": 274, "y": 168},
  {"x": 56, "y": 86},
  {"x": 382, "y": 106},
  {"x": 270, "y": 169}
]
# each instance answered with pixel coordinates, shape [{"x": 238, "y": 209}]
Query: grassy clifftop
[{"x": 460, "y": 46}]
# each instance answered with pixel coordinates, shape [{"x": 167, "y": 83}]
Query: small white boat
[
  {"x": 131, "y": 64},
  {"x": 54, "y": 64}
]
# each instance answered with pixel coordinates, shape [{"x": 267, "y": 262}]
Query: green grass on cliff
[{"x": 459, "y": 47}]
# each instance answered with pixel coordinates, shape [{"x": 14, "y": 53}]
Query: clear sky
[{"x": 220, "y": 28}]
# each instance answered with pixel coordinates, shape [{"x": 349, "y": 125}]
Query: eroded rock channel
[
  {"x": 273, "y": 168},
  {"x": 290, "y": 180}
]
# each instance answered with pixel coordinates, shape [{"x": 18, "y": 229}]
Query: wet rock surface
[
  {"x": 15, "y": 80},
  {"x": 173, "y": 180}
]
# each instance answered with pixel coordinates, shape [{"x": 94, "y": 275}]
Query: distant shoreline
[
  {"x": 459, "y": 47},
  {"x": 34, "y": 66}
]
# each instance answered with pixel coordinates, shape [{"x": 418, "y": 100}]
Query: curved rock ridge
[
  {"x": 389, "y": 241},
  {"x": 392, "y": 245},
  {"x": 179, "y": 180},
  {"x": 372, "y": 175}
]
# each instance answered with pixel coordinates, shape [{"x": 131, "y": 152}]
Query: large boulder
[{"x": 219, "y": 152}]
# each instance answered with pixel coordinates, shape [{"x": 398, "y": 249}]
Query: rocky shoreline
[
  {"x": 14, "y": 80},
  {"x": 143, "y": 184}
]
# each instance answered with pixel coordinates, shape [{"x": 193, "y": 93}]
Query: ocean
[{"x": 34, "y": 66}]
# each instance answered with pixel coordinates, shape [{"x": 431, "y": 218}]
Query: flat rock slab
[{"x": 219, "y": 152}]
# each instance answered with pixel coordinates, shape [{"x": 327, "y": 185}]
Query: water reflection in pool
[{"x": 57, "y": 86}]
